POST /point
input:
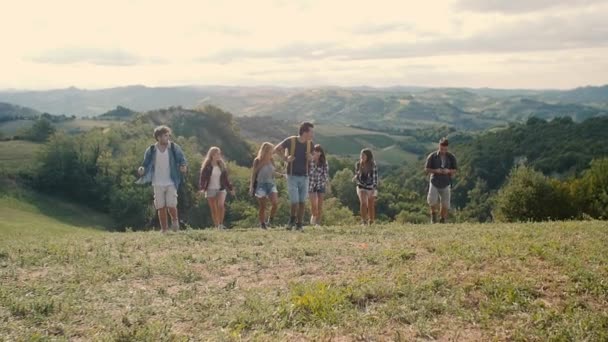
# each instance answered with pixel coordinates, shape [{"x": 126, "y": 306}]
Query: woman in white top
[{"x": 214, "y": 183}]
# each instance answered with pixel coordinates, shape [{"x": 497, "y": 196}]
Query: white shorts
[
  {"x": 165, "y": 196},
  {"x": 212, "y": 193},
  {"x": 372, "y": 193},
  {"x": 437, "y": 195}
]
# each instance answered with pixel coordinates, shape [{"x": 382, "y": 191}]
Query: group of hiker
[{"x": 307, "y": 175}]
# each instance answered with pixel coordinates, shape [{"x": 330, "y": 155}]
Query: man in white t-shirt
[{"x": 163, "y": 166}]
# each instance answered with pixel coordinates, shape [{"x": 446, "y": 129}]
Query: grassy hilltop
[{"x": 62, "y": 280}]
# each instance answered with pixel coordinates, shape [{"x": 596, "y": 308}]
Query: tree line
[{"x": 537, "y": 170}]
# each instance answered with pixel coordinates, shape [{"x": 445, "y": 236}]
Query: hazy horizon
[
  {"x": 536, "y": 45},
  {"x": 320, "y": 86}
]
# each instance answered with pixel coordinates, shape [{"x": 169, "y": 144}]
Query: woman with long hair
[
  {"x": 366, "y": 177},
  {"x": 262, "y": 184},
  {"x": 214, "y": 182},
  {"x": 319, "y": 181}
]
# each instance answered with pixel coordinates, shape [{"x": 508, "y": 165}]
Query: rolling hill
[
  {"x": 336, "y": 139},
  {"x": 363, "y": 106},
  {"x": 9, "y": 112}
]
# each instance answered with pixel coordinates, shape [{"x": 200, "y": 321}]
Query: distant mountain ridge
[{"x": 408, "y": 107}]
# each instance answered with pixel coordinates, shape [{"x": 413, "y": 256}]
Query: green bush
[
  {"x": 41, "y": 131},
  {"x": 344, "y": 188},
  {"x": 591, "y": 190},
  {"x": 528, "y": 195},
  {"x": 411, "y": 217},
  {"x": 335, "y": 214}
]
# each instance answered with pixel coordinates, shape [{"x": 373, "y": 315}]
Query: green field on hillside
[
  {"x": 14, "y": 127},
  {"x": 349, "y": 141},
  {"x": 17, "y": 154},
  {"x": 59, "y": 281},
  {"x": 10, "y": 128}
]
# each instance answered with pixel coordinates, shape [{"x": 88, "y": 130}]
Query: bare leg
[
  {"x": 301, "y": 209},
  {"x": 363, "y": 205},
  {"x": 162, "y": 219},
  {"x": 174, "y": 219},
  {"x": 444, "y": 213},
  {"x": 434, "y": 209},
  {"x": 371, "y": 207},
  {"x": 262, "y": 212},
  {"x": 319, "y": 208},
  {"x": 221, "y": 208},
  {"x": 274, "y": 200},
  {"x": 294, "y": 209},
  {"x": 313, "y": 207},
  {"x": 213, "y": 206}
]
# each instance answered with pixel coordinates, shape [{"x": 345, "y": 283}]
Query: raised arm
[{"x": 280, "y": 151}]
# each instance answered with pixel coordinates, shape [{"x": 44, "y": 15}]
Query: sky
[{"x": 454, "y": 43}]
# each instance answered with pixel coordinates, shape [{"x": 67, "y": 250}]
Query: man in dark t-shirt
[
  {"x": 296, "y": 151},
  {"x": 442, "y": 166}
]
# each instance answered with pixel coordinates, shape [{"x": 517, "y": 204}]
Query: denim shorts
[
  {"x": 297, "y": 187},
  {"x": 317, "y": 190},
  {"x": 265, "y": 190}
]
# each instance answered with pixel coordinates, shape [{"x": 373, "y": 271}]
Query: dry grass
[{"x": 449, "y": 282}]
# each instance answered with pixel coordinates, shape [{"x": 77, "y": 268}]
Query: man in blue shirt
[{"x": 163, "y": 166}]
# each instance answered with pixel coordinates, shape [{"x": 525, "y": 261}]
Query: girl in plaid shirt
[
  {"x": 318, "y": 173},
  {"x": 366, "y": 177}
]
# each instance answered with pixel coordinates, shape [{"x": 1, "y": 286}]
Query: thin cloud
[
  {"x": 95, "y": 56},
  {"x": 548, "y": 34},
  {"x": 373, "y": 29},
  {"x": 295, "y": 50},
  {"x": 520, "y": 7},
  {"x": 226, "y": 30},
  {"x": 551, "y": 33}
]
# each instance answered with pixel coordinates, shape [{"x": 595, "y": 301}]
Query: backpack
[{"x": 292, "y": 151}]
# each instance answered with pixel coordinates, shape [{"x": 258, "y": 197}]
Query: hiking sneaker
[
  {"x": 300, "y": 227},
  {"x": 442, "y": 220},
  {"x": 433, "y": 218},
  {"x": 263, "y": 225}
]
